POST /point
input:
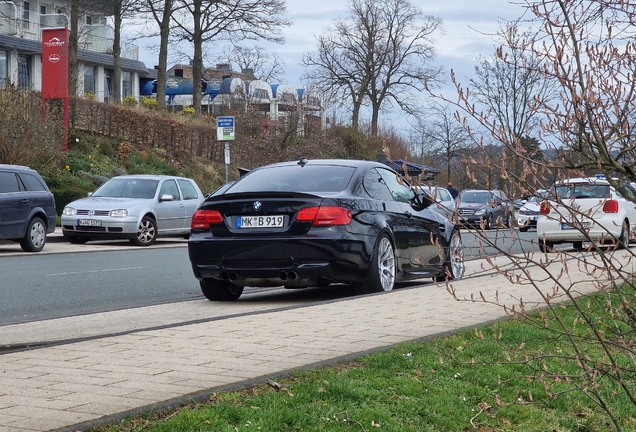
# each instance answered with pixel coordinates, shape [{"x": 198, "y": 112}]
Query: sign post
[{"x": 225, "y": 132}]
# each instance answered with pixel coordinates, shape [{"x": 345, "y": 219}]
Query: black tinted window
[
  {"x": 310, "y": 178},
  {"x": 9, "y": 182},
  {"x": 376, "y": 187},
  {"x": 32, "y": 183},
  {"x": 400, "y": 190}
]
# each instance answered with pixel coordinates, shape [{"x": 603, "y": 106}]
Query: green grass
[{"x": 479, "y": 379}]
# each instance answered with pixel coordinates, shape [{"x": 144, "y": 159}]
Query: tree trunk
[
  {"x": 197, "y": 60},
  {"x": 164, "y": 32},
  {"x": 72, "y": 49},
  {"x": 117, "y": 53}
]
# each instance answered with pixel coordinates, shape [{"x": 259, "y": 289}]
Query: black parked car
[
  {"x": 27, "y": 207},
  {"x": 317, "y": 222},
  {"x": 485, "y": 206}
]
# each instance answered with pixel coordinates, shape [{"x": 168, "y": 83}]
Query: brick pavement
[{"x": 72, "y": 386}]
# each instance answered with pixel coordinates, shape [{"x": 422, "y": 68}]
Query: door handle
[{"x": 25, "y": 201}]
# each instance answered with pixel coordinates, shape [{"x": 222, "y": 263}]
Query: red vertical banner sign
[{"x": 55, "y": 70}]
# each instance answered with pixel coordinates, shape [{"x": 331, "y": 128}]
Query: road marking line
[{"x": 96, "y": 271}]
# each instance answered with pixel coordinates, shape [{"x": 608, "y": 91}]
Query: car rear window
[
  {"x": 582, "y": 191},
  {"x": 310, "y": 178},
  {"x": 32, "y": 183}
]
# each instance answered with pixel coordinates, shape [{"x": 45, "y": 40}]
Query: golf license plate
[
  {"x": 89, "y": 222},
  {"x": 273, "y": 221}
]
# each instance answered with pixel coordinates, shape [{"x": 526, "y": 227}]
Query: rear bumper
[{"x": 297, "y": 262}]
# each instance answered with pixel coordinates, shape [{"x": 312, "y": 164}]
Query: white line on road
[{"x": 97, "y": 271}]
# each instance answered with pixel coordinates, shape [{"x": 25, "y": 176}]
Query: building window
[
  {"x": 89, "y": 79},
  {"x": 126, "y": 84},
  {"x": 89, "y": 20},
  {"x": 24, "y": 72},
  {"x": 42, "y": 9},
  {"x": 4, "y": 68},
  {"x": 25, "y": 15},
  {"x": 108, "y": 84}
]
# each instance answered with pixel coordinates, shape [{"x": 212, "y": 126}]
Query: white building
[{"x": 21, "y": 24}]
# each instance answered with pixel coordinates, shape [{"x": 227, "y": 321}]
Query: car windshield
[
  {"x": 582, "y": 190},
  {"x": 476, "y": 197},
  {"x": 294, "y": 178},
  {"x": 127, "y": 188}
]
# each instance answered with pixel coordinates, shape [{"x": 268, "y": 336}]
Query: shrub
[
  {"x": 130, "y": 101},
  {"x": 188, "y": 110},
  {"x": 89, "y": 96},
  {"x": 149, "y": 103}
]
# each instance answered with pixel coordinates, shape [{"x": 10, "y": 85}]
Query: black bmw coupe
[{"x": 316, "y": 222}]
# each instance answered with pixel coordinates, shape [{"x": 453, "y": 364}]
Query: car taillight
[
  {"x": 325, "y": 216},
  {"x": 545, "y": 208},
  {"x": 610, "y": 206},
  {"x": 202, "y": 219}
]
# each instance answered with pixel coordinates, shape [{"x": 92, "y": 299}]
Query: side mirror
[{"x": 166, "y": 197}]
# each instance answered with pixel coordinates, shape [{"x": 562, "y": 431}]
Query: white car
[
  {"x": 135, "y": 207},
  {"x": 585, "y": 209},
  {"x": 444, "y": 202},
  {"x": 529, "y": 213}
]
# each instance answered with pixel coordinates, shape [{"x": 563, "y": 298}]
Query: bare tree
[
  {"x": 587, "y": 47},
  {"x": 442, "y": 134},
  {"x": 265, "y": 66},
  {"x": 120, "y": 9},
  {"x": 510, "y": 84},
  {"x": 202, "y": 21},
  {"x": 337, "y": 68},
  {"x": 380, "y": 53},
  {"x": 161, "y": 12}
]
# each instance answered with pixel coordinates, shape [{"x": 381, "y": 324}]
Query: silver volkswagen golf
[{"x": 135, "y": 207}]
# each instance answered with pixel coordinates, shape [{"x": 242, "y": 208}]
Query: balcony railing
[{"x": 97, "y": 38}]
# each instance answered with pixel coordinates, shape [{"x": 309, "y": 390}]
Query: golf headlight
[
  {"x": 120, "y": 213},
  {"x": 480, "y": 212},
  {"x": 69, "y": 211}
]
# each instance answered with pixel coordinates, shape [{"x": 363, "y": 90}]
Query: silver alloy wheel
[
  {"x": 386, "y": 264},
  {"x": 456, "y": 256},
  {"x": 38, "y": 235},
  {"x": 624, "y": 239},
  {"x": 147, "y": 231}
]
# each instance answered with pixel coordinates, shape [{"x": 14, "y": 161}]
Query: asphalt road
[{"x": 68, "y": 280}]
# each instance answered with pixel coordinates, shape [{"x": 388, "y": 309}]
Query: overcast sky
[{"x": 467, "y": 24}]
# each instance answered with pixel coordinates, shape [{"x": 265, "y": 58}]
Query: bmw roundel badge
[{"x": 257, "y": 205}]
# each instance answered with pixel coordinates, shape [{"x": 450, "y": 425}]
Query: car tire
[
  {"x": 508, "y": 221},
  {"x": 218, "y": 290},
  {"x": 75, "y": 239},
  {"x": 546, "y": 246},
  {"x": 381, "y": 272},
  {"x": 454, "y": 261},
  {"x": 488, "y": 225},
  {"x": 623, "y": 240},
  {"x": 146, "y": 232},
  {"x": 578, "y": 245},
  {"x": 35, "y": 237}
]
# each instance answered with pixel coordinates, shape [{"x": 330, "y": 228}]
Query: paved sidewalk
[{"x": 76, "y": 385}]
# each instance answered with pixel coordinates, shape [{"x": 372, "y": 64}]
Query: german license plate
[
  {"x": 89, "y": 222},
  {"x": 273, "y": 221},
  {"x": 584, "y": 225}
]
